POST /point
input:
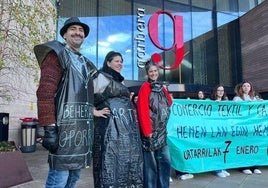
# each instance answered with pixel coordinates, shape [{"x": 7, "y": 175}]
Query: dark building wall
[{"x": 254, "y": 47}]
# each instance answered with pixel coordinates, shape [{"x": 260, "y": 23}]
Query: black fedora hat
[{"x": 74, "y": 21}]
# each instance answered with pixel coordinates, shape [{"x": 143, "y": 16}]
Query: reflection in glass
[
  {"x": 223, "y": 18},
  {"x": 227, "y": 6},
  {"x": 210, "y": 36},
  {"x": 246, "y": 5},
  {"x": 199, "y": 24},
  {"x": 206, "y": 4}
]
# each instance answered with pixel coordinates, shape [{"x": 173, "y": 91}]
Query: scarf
[{"x": 116, "y": 75}]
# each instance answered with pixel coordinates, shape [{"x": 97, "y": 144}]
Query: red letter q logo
[{"x": 178, "y": 43}]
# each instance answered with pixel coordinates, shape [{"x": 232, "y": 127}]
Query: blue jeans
[
  {"x": 62, "y": 178},
  {"x": 157, "y": 168}
]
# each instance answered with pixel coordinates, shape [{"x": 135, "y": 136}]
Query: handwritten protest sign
[{"x": 206, "y": 135}]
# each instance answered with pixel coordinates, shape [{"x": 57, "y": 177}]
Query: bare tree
[{"x": 23, "y": 24}]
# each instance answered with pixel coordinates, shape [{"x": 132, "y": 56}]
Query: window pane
[
  {"x": 199, "y": 24},
  {"x": 228, "y": 50},
  {"x": 183, "y": 73},
  {"x": 204, "y": 51},
  {"x": 115, "y": 33},
  {"x": 246, "y": 5},
  {"x": 227, "y": 6},
  {"x": 143, "y": 47},
  {"x": 206, "y": 4},
  {"x": 81, "y": 8},
  {"x": 223, "y": 18}
]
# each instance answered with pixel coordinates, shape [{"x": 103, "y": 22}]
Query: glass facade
[{"x": 210, "y": 34}]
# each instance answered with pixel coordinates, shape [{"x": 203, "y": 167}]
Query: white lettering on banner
[
  {"x": 75, "y": 138},
  {"x": 123, "y": 114},
  {"x": 165, "y": 112},
  {"x": 77, "y": 111}
]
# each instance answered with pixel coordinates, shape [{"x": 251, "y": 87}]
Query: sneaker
[
  {"x": 247, "y": 171},
  {"x": 221, "y": 174},
  {"x": 257, "y": 171},
  {"x": 186, "y": 176},
  {"x": 226, "y": 173},
  {"x": 170, "y": 180}
]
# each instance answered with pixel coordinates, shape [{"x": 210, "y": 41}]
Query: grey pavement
[{"x": 38, "y": 168}]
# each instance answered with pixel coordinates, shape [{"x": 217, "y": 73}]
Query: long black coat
[
  {"x": 117, "y": 153},
  {"x": 74, "y": 108}
]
